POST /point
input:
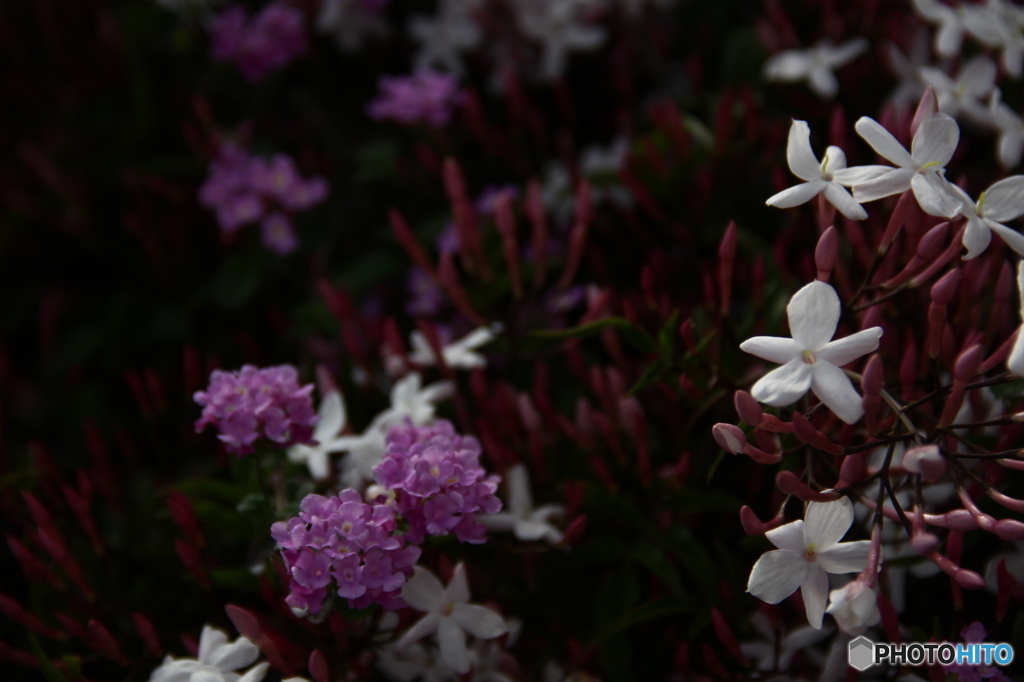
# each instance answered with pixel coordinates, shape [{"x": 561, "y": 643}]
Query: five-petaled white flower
[
  {"x": 975, "y": 82},
  {"x": 449, "y": 615},
  {"x": 351, "y": 23},
  {"x": 1000, "y": 202},
  {"x": 950, "y": 21},
  {"x": 811, "y": 360},
  {"x": 855, "y": 607},
  {"x": 459, "y": 354},
  {"x": 330, "y": 424},
  {"x": 815, "y": 65},
  {"x": 557, "y": 26},
  {"x": 818, "y": 176},
  {"x": 525, "y": 522},
  {"x": 922, "y": 169},
  {"x": 1015, "y": 363},
  {"x": 807, "y": 552},
  {"x": 217, "y": 661},
  {"x": 444, "y": 37}
]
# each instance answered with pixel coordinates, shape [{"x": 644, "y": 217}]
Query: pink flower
[
  {"x": 425, "y": 97},
  {"x": 274, "y": 37}
]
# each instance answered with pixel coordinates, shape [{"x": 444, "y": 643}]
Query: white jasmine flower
[
  {"x": 1001, "y": 202},
  {"x": 976, "y": 80},
  {"x": 907, "y": 69},
  {"x": 444, "y": 37},
  {"x": 459, "y": 354},
  {"x": 811, "y": 360},
  {"x": 556, "y": 25},
  {"x": 350, "y": 22},
  {"x": 488, "y": 656},
  {"x": 764, "y": 651},
  {"x": 1014, "y": 558},
  {"x": 950, "y": 34},
  {"x": 922, "y": 169},
  {"x": 818, "y": 176},
  {"x": 815, "y": 65},
  {"x": 601, "y": 166},
  {"x": 525, "y": 522},
  {"x": 1011, "y": 131},
  {"x": 1015, "y": 363},
  {"x": 217, "y": 661},
  {"x": 449, "y": 615},
  {"x": 998, "y": 24},
  {"x": 331, "y": 423},
  {"x": 417, "y": 662},
  {"x": 855, "y": 607},
  {"x": 807, "y": 552}
]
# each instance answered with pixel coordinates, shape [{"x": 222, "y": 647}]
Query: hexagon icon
[{"x": 862, "y": 653}]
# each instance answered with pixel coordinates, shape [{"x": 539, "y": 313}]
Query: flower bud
[
  {"x": 730, "y": 437},
  {"x": 747, "y": 408},
  {"x": 855, "y": 607},
  {"x": 969, "y": 579},
  {"x": 927, "y": 107},
  {"x": 927, "y": 461},
  {"x": 853, "y": 468},
  {"x": 945, "y": 288},
  {"x": 803, "y": 429},
  {"x": 826, "y": 253},
  {"x": 925, "y": 544},
  {"x": 751, "y": 524},
  {"x": 1009, "y": 529},
  {"x": 960, "y": 520}
]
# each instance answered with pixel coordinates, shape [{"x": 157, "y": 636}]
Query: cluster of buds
[
  {"x": 253, "y": 403},
  {"x": 426, "y": 98}
]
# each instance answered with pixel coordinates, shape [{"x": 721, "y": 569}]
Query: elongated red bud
[
  {"x": 826, "y": 253},
  {"x": 726, "y": 261},
  {"x": 966, "y": 367},
  {"x": 147, "y": 633},
  {"x": 1009, "y": 529},
  {"x": 925, "y": 544},
  {"x": 19, "y": 615},
  {"x": 853, "y": 468},
  {"x": 506, "y": 223},
  {"x": 969, "y": 579},
  {"x": 725, "y": 635},
  {"x": 752, "y": 525},
  {"x": 927, "y": 107},
  {"x": 928, "y": 249},
  {"x": 803, "y": 429},
  {"x": 760, "y": 456},
  {"x": 318, "y": 667},
  {"x": 407, "y": 240},
  {"x": 789, "y": 484},
  {"x": 748, "y": 409},
  {"x": 944, "y": 290},
  {"x": 574, "y": 531},
  {"x": 104, "y": 642}
]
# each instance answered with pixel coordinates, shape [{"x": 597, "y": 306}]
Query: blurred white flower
[
  {"x": 963, "y": 96},
  {"x": 460, "y": 354},
  {"x": 216, "y": 662},
  {"x": 558, "y": 26},
  {"x": 521, "y": 518},
  {"x": 815, "y": 65},
  {"x": 445, "y": 36},
  {"x": 350, "y": 22}
]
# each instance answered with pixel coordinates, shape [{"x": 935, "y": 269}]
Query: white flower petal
[
  {"x": 1015, "y": 363},
  {"x": 935, "y": 141},
  {"x": 210, "y": 640},
  {"x": 835, "y": 160},
  {"x": 883, "y": 142},
  {"x": 834, "y": 388},
  {"x": 895, "y": 181},
  {"x": 789, "y": 65},
  {"x": 797, "y": 194},
  {"x": 518, "y": 481},
  {"x": 949, "y": 38},
  {"x": 845, "y": 557},
  {"x": 847, "y": 52},
  {"x": 332, "y": 417},
  {"x": 423, "y": 591},
  {"x": 789, "y": 536},
  {"x": 452, "y": 640},
  {"x": 815, "y": 594},
  {"x": 427, "y": 625},
  {"x": 776, "y": 575},
  {"x": 256, "y": 673},
  {"x": 813, "y": 315},
  {"x": 239, "y": 654},
  {"x": 978, "y": 76},
  {"x": 844, "y": 202},
  {"x": 858, "y": 175},
  {"x": 772, "y": 348},
  {"x": 783, "y": 386},
  {"x": 529, "y": 530},
  {"x": 479, "y": 621},
  {"x": 843, "y": 351},
  {"x": 977, "y": 237},
  {"x": 799, "y": 155},
  {"x": 501, "y": 522},
  {"x": 1013, "y": 239},
  {"x": 825, "y": 523},
  {"x": 458, "y": 586},
  {"x": 1005, "y": 199},
  {"x": 934, "y": 196},
  {"x": 823, "y": 82}
]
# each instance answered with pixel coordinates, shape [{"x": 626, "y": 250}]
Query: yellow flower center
[{"x": 809, "y": 357}]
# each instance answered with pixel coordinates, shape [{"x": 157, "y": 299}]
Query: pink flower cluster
[
  {"x": 349, "y": 543},
  {"x": 243, "y": 189},
  {"x": 273, "y": 38},
  {"x": 425, "y": 97},
  {"x": 437, "y": 480},
  {"x": 253, "y": 403}
]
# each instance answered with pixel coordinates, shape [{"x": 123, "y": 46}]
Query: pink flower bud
[
  {"x": 966, "y": 367},
  {"x": 803, "y": 429},
  {"x": 789, "y": 484},
  {"x": 969, "y": 579},
  {"x": 927, "y": 107},
  {"x": 960, "y": 520},
  {"x": 730, "y": 437},
  {"x": 751, "y": 524},
  {"x": 147, "y": 633},
  {"x": 826, "y": 253},
  {"x": 873, "y": 376},
  {"x": 747, "y": 408},
  {"x": 724, "y": 634},
  {"x": 927, "y": 461},
  {"x": 104, "y": 642},
  {"x": 1009, "y": 529},
  {"x": 943, "y": 290},
  {"x": 925, "y": 544},
  {"x": 318, "y": 667},
  {"x": 853, "y": 468}
]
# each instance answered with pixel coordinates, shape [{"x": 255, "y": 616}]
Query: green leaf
[
  {"x": 49, "y": 671},
  {"x": 235, "y": 579},
  {"x": 253, "y": 503},
  {"x": 211, "y": 489},
  {"x": 73, "y": 664},
  {"x": 634, "y": 336},
  {"x": 652, "y": 375},
  {"x": 695, "y": 558},
  {"x": 662, "y": 607},
  {"x": 599, "y": 550},
  {"x": 653, "y": 558}
]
